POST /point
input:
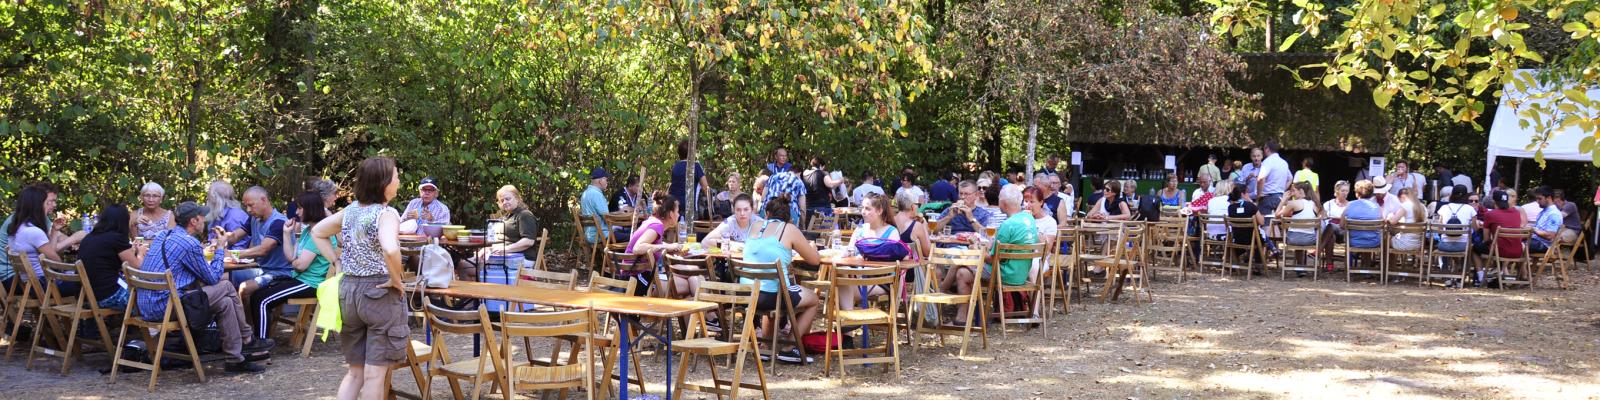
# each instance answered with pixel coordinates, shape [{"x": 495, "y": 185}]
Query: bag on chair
[
  {"x": 876, "y": 249},
  {"x": 436, "y": 269}
]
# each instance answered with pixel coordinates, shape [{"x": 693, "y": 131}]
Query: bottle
[
  {"x": 88, "y": 222},
  {"x": 833, "y": 239}
]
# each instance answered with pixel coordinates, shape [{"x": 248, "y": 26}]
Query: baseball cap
[
  {"x": 1380, "y": 185},
  {"x": 428, "y": 182},
  {"x": 1501, "y": 198},
  {"x": 188, "y": 210},
  {"x": 599, "y": 172}
]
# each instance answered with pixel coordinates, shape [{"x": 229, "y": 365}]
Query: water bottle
[
  {"x": 88, "y": 222},
  {"x": 833, "y": 240}
]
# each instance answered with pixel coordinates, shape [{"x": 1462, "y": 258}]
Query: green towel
[
  {"x": 328, "y": 316},
  {"x": 937, "y": 206}
]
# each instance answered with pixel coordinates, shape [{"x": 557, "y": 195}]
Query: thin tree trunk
[
  {"x": 1033, "y": 138},
  {"x": 189, "y": 124}
]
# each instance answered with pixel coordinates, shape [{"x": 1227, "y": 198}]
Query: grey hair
[
  {"x": 1012, "y": 195},
  {"x": 153, "y": 187},
  {"x": 258, "y": 191},
  {"x": 1039, "y": 176},
  {"x": 219, "y": 196},
  {"x": 325, "y": 187},
  {"x": 906, "y": 201}
]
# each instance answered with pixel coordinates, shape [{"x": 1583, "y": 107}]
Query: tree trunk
[
  {"x": 189, "y": 124},
  {"x": 693, "y": 121},
  {"x": 1033, "y": 139}
]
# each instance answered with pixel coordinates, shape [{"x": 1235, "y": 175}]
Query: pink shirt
[{"x": 654, "y": 225}]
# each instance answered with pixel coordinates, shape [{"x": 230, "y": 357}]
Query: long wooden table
[{"x": 623, "y": 306}]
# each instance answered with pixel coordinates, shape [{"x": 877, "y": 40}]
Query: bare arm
[
  {"x": 794, "y": 239},
  {"x": 134, "y": 256},
  {"x": 389, "y": 240},
  {"x": 324, "y": 230},
  {"x": 714, "y": 238}
]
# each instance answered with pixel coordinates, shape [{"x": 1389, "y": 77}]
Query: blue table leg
[
  {"x": 669, "y": 358},
  {"x": 622, "y": 332},
  {"x": 864, "y": 331}
]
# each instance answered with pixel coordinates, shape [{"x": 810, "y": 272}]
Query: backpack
[
  {"x": 1455, "y": 215},
  {"x": 879, "y": 249}
]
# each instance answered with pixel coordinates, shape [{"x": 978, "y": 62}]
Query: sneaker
[
  {"x": 244, "y": 367},
  {"x": 714, "y": 326},
  {"x": 792, "y": 356},
  {"x": 259, "y": 345}
]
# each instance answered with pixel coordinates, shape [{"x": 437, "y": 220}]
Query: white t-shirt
[
  {"x": 1412, "y": 180},
  {"x": 1333, "y": 209},
  {"x": 1531, "y": 210},
  {"x": 27, "y": 242},
  {"x": 1463, "y": 180},
  {"x": 861, "y": 192},
  {"x": 1465, "y": 213},
  {"x": 1218, "y": 209},
  {"x": 1277, "y": 173}
]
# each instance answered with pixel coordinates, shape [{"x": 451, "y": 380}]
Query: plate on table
[{"x": 239, "y": 260}]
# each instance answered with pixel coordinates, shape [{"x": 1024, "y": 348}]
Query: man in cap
[
  {"x": 425, "y": 209},
  {"x": 593, "y": 202},
  {"x": 179, "y": 252},
  {"x": 1380, "y": 194}
]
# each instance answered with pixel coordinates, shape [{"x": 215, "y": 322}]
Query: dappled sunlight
[
  {"x": 1541, "y": 386},
  {"x": 1306, "y": 348},
  {"x": 1376, "y": 313}
]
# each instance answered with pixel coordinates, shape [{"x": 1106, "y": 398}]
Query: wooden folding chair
[
  {"x": 946, "y": 261},
  {"x": 1520, "y": 267},
  {"x": 1441, "y": 259},
  {"x": 687, "y": 269},
  {"x": 545, "y": 280},
  {"x": 1065, "y": 268},
  {"x": 703, "y": 228},
  {"x": 1127, "y": 263},
  {"x": 822, "y": 224},
  {"x": 1213, "y": 251},
  {"x": 1351, "y": 260},
  {"x": 731, "y": 299},
  {"x": 58, "y": 308},
  {"x": 1000, "y": 290},
  {"x": 580, "y": 224},
  {"x": 23, "y": 297},
  {"x": 1411, "y": 263},
  {"x": 840, "y": 320},
  {"x": 1557, "y": 258},
  {"x": 1290, "y": 226},
  {"x": 1251, "y": 246},
  {"x": 785, "y": 310},
  {"x": 172, "y": 320},
  {"x": 604, "y": 336},
  {"x": 444, "y": 323},
  {"x": 1169, "y": 245},
  {"x": 552, "y": 375}
]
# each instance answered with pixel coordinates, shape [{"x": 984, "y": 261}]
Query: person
[
  {"x": 310, "y": 266},
  {"x": 912, "y": 231},
  {"x": 26, "y": 234},
  {"x": 736, "y": 228},
  {"x": 1462, "y": 180},
  {"x": 1111, "y": 206},
  {"x": 1547, "y": 227},
  {"x": 1503, "y": 215},
  {"x": 1250, "y": 174},
  {"x": 1209, "y": 171},
  {"x": 1018, "y": 229},
  {"x": 868, "y": 187},
  {"x": 1411, "y": 212},
  {"x": 991, "y": 203},
  {"x": 1051, "y": 164},
  {"x": 226, "y": 213},
  {"x": 44, "y": 194},
  {"x": 1531, "y": 209},
  {"x": 627, "y": 197},
  {"x": 1334, "y": 210},
  {"x": 701, "y": 186},
  {"x": 1240, "y": 206},
  {"x": 1305, "y": 174},
  {"x": 373, "y": 333},
  {"x": 1230, "y": 171},
  {"x": 819, "y": 188},
  {"x": 650, "y": 240},
  {"x": 1045, "y": 223},
  {"x": 1067, "y": 204},
  {"x": 426, "y": 209},
  {"x": 908, "y": 183},
  {"x": 758, "y": 186},
  {"x": 179, "y": 252},
  {"x": 592, "y": 204},
  {"x": 265, "y": 232},
  {"x": 1206, "y": 186},
  {"x": 1130, "y": 194},
  {"x": 518, "y": 237},
  {"x": 1571, "y": 225},
  {"x": 1380, "y": 195},
  {"x": 963, "y": 216},
  {"x": 103, "y": 253},
  {"x": 1456, "y": 212},
  {"x": 876, "y": 222},
  {"x": 152, "y": 219},
  {"x": 841, "y": 190},
  {"x": 322, "y": 187},
  {"x": 1301, "y": 203},
  {"x": 780, "y": 161},
  {"x": 1443, "y": 175},
  {"x": 722, "y": 204},
  {"x": 788, "y": 183},
  {"x": 1402, "y": 177},
  {"x": 1170, "y": 195},
  {"x": 1365, "y": 208},
  {"x": 776, "y": 241},
  {"x": 1217, "y": 208},
  {"x": 1272, "y": 180},
  {"x": 944, "y": 191}
]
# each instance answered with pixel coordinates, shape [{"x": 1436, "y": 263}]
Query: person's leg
[
  {"x": 807, "y": 307},
  {"x": 272, "y": 296},
  {"x": 229, "y": 314},
  {"x": 375, "y": 382},
  {"x": 350, "y": 386}
]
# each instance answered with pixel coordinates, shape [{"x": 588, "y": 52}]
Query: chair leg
[{"x": 71, "y": 349}]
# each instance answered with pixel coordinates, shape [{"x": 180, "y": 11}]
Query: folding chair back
[
  {"x": 57, "y": 310},
  {"x": 1286, "y": 261},
  {"x": 446, "y": 323},
  {"x": 1520, "y": 267},
  {"x": 1451, "y": 264},
  {"x": 548, "y": 279},
  {"x": 785, "y": 309},
  {"x": 738, "y": 340},
  {"x": 839, "y": 320},
  {"x": 1352, "y": 264},
  {"x": 551, "y": 325},
  {"x": 1029, "y": 253},
  {"x": 684, "y": 268},
  {"x": 1213, "y": 250},
  {"x": 1404, "y": 262},
  {"x": 172, "y": 319},
  {"x": 1251, "y": 247}
]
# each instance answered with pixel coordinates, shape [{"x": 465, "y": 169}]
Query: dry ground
[{"x": 1208, "y": 338}]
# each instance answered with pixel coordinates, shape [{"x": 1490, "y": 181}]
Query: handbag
[
  {"x": 879, "y": 249},
  {"x": 196, "y": 305},
  {"x": 436, "y": 269}
]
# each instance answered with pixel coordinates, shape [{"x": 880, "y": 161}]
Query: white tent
[{"x": 1507, "y": 137}]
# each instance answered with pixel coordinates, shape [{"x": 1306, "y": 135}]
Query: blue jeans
[
  {"x": 1453, "y": 247},
  {"x": 115, "y": 301}
]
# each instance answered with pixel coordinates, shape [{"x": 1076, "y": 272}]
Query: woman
[
  {"x": 519, "y": 234},
  {"x": 908, "y": 184},
  {"x": 1170, "y": 195},
  {"x": 876, "y": 218},
  {"x": 1334, "y": 210},
  {"x": 991, "y": 203},
  {"x": 152, "y": 219},
  {"x": 1111, "y": 206},
  {"x": 788, "y": 183},
  {"x": 227, "y": 213},
  {"x": 328, "y": 191},
  {"x": 1240, "y": 206},
  {"x": 1032, "y": 202},
  {"x": 736, "y": 228},
  {"x": 1410, "y": 212},
  {"x": 1301, "y": 203},
  {"x": 310, "y": 266},
  {"x": 775, "y": 241},
  {"x": 1217, "y": 209},
  {"x": 27, "y": 230},
  {"x": 648, "y": 244},
  {"x": 373, "y": 334},
  {"x": 722, "y": 204},
  {"x": 103, "y": 254},
  {"x": 1458, "y": 212},
  {"x": 912, "y": 231}
]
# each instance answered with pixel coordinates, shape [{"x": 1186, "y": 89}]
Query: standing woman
[
  {"x": 152, "y": 219},
  {"x": 374, "y": 334}
]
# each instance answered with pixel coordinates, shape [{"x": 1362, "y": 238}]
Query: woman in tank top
[
  {"x": 773, "y": 241},
  {"x": 374, "y": 334}
]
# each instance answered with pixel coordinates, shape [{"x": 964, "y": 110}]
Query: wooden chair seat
[
  {"x": 863, "y": 316},
  {"x": 706, "y": 346},
  {"x": 77, "y": 311},
  {"x": 941, "y": 298},
  {"x": 548, "y": 374},
  {"x": 463, "y": 368}
]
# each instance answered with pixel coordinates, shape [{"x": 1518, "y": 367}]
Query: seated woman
[
  {"x": 1033, "y": 203},
  {"x": 1170, "y": 195},
  {"x": 1240, "y": 206},
  {"x": 152, "y": 219},
  {"x": 912, "y": 231},
  {"x": 518, "y": 235},
  {"x": 104, "y": 252},
  {"x": 648, "y": 242},
  {"x": 27, "y": 231},
  {"x": 776, "y": 240},
  {"x": 737, "y": 226},
  {"x": 310, "y": 267},
  {"x": 1410, "y": 212},
  {"x": 1112, "y": 206},
  {"x": 1300, "y": 203},
  {"x": 875, "y": 218}
]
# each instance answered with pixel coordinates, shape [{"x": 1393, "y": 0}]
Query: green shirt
[
  {"x": 1017, "y": 229},
  {"x": 318, "y": 270}
]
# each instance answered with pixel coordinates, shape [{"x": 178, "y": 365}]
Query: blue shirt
[
  {"x": 232, "y": 219},
  {"x": 593, "y": 203},
  {"x": 960, "y": 223},
  {"x": 942, "y": 190},
  {"x": 675, "y": 187},
  {"x": 274, "y": 262},
  {"x": 188, "y": 265},
  {"x": 774, "y": 169},
  {"x": 1363, "y": 210},
  {"x": 787, "y": 183},
  {"x": 1549, "y": 221},
  {"x": 1247, "y": 177}
]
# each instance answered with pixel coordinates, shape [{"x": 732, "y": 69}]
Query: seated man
[
  {"x": 593, "y": 203},
  {"x": 178, "y": 250},
  {"x": 425, "y": 209},
  {"x": 965, "y": 215},
  {"x": 1547, "y": 226},
  {"x": 265, "y": 234}
]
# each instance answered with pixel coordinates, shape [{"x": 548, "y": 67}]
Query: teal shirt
[
  {"x": 1017, "y": 229},
  {"x": 318, "y": 270},
  {"x": 591, "y": 204}
]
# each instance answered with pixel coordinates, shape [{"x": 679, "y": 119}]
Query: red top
[{"x": 1494, "y": 219}]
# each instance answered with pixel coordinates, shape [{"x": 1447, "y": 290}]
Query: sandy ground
[{"x": 1215, "y": 337}]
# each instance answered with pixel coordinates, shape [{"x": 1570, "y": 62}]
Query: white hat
[{"x": 1380, "y": 185}]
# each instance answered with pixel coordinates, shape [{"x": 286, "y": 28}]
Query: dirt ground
[{"x": 1214, "y": 337}]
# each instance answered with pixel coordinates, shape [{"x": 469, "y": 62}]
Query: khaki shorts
[
  {"x": 374, "y": 330},
  {"x": 1568, "y": 235}
]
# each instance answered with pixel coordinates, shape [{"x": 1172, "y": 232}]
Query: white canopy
[{"x": 1508, "y": 138}]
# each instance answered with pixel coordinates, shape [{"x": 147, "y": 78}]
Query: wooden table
[
  {"x": 624, "y": 306},
  {"x": 235, "y": 266}
]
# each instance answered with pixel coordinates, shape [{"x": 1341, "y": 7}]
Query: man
[
  {"x": 1443, "y": 175},
  {"x": 1272, "y": 181},
  {"x": 425, "y": 209},
  {"x": 965, "y": 215},
  {"x": 265, "y": 233},
  {"x": 1380, "y": 190},
  {"x": 1570, "y": 224},
  {"x": 942, "y": 190},
  {"x": 1205, "y": 182},
  {"x": 1209, "y": 170},
  {"x": 1066, "y": 208},
  {"x": 1305, "y": 174},
  {"x": 1463, "y": 180},
  {"x": 593, "y": 202},
  {"x": 1403, "y": 178},
  {"x": 1547, "y": 228},
  {"x": 178, "y": 251},
  {"x": 1052, "y": 198},
  {"x": 699, "y": 188},
  {"x": 1365, "y": 208},
  {"x": 1050, "y": 165},
  {"x": 868, "y": 187},
  {"x": 780, "y": 161},
  {"x": 1249, "y": 174}
]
